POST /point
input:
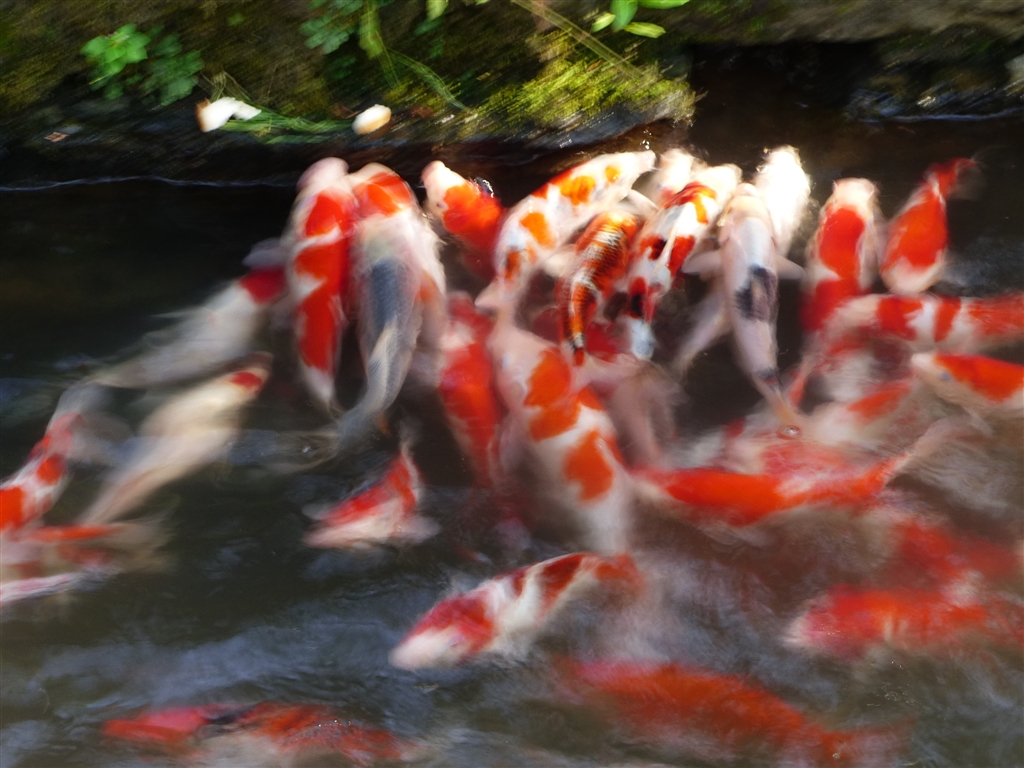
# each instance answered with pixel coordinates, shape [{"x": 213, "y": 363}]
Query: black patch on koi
[
  {"x": 656, "y": 248},
  {"x": 615, "y": 305},
  {"x": 760, "y": 299},
  {"x": 770, "y": 376},
  {"x": 636, "y": 305}
]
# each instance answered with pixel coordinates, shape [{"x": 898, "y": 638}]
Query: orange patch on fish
[
  {"x": 681, "y": 248},
  {"x": 577, "y": 188},
  {"x": 537, "y": 225},
  {"x": 384, "y": 193},
  {"x": 323, "y": 262},
  {"x": 894, "y": 315},
  {"x": 327, "y": 214},
  {"x": 945, "y": 314},
  {"x": 12, "y": 507},
  {"x": 555, "y": 419},
  {"x": 612, "y": 173},
  {"x": 993, "y": 378},
  {"x": 247, "y": 380},
  {"x": 50, "y": 470},
  {"x": 881, "y": 402},
  {"x": 318, "y": 317},
  {"x": 550, "y": 380},
  {"x": 837, "y": 242},
  {"x": 694, "y": 193},
  {"x": 587, "y": 465}
]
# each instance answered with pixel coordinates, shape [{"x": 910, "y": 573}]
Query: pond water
[{"x": 243, "y": 612}]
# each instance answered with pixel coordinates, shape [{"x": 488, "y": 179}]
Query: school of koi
[{"x": 554, "y": 373}]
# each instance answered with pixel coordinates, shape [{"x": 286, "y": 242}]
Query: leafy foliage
[{"x": 168, "y": 72}]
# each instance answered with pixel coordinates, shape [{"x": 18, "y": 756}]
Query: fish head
[
  {"x": 438, "y": 179},
  {"x": 381, "y": 191},
  {"x": 169, "y": 727},
  {"x": 960, "y": 175},
  {"x": 321, "y": 175},
  {"x": 451, "y": 632}
]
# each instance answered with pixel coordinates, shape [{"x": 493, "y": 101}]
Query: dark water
[{"x": 243, "y": 612}]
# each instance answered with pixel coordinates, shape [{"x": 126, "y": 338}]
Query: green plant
[
  {"x": 620, "y": 16},
  {"x": 111, "y": 54},
  {"x": 168, "y": 73}
]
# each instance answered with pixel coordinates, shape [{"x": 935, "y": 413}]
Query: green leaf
[
  {"x": 95, "y": 47},
  {"x": 644, "y": 30},
  {"x": 430, "y": 77},
  {"x": 435, "y": 8},
  {"x": 235, "y": 19},
  {"x": 602, "y": 21},
  {"x": 663, "y": 4},
  {"x": 369, "y": 34},
  {"x": 134, "y": 53},
  {"x": 623, "y": 11}
]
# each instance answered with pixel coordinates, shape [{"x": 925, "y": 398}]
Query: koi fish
[
  {"x": 31, "y": 492},
  {"x": 980, "y": 385},
  {"x": 278, "y": 729},
  {"x": 219, "y": 332},
  {"x": 466, "y": 387},
  {"x": 538, "y": 225},
  {"x": 715, "y": 716},
  {"x": 49, "y": 560},
  {"x": 842, "y": 257},
  {"x": 712, "y": 497},
  {"x": 930, "y": 555},
  {"x": 319, "y": 235},
  {"x": 568, "y": 433},
  {"x": 709, "y": 323},
  {"x": 676, "y": 168},
  {"x": 469, "y": 212},
  {"x": 187, "y": 432},
  {"x": 849, "y": 623},
  {"x": 665, "y": 243},
  {"x": 504, "y": 615},
  {"x": 915, "y": 252},
  {"x": 785, "y": 190},
  {"x": 749, "y": 255},
  {"x": 933, "y": 322},
  {"x": 601, "y": 261},
  {"x": 384, "y": 513}
]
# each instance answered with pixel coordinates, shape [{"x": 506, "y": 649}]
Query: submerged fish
[
  {"x": 187, "y": 432},
  {"x": 982, "y": 386},
  {"x": 504, "y": 615},
  {"x": 274, "y": 731},
  {"x": 852, "y": 623},
  {"x": 716, "y": 717},
  {"x": 384, "y": 513}
]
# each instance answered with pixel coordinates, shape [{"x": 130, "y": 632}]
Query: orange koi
[
  {"x": 850, "y": 623},
  {"x": 915, "y": 253},
  {"x": 469, "y": 212},
  {"x": 666, "y": 241},
  {"x": 286, "y": 730},
  {"x": 319, "y": 235},
  {"x": 710, "y": 497},
  {"x": 384, "y": 513},
  {"x": 567, "y": 431},
  {"x": 933, "y": 322},
  {"x": 602, "y": 258},
  {"x": 504, "y": 615},
  {"x": 983, "y": 386},
  {"x": 715, "y": 716},
  {"x": 538, "y": 225}
]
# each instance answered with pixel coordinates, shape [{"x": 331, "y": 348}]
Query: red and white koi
[
  {"x": 915, "y": 253},
  {"x": 676, "y": 168},
  {"x": 466, "y": 387},
  {"x": 319, "y": 237},
  {"x": 211, "y": 336},
  {"x": 851, "y": 624},
  {"x": 751, "y": 282},
  {"x": 469, "y": 212},
  {"x": 540, "y": 224},
  {"x": 982, "y": 386},
  {"x": 567, "y": 431},
  {"x": 504, "y": 615},
  {"x": 666, "y": 241},
  {"x": 600, "y": 263},
  {"x": 714, "y": 716},
  {"x": 384, "y": 513},
  {"x": 933, "y": 322},
  {"x": 187, "y": 432},
  {"x": 842, "y": 257},
  {"x": 275, "y": 732},
  {"x": 30, "y": 493}
]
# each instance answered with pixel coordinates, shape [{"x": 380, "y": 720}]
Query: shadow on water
[{"x": 244, "y": 612}]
